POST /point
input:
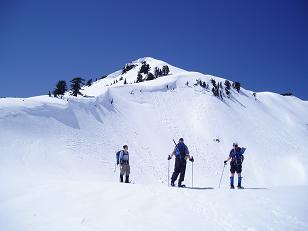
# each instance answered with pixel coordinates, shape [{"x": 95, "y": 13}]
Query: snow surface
[{"x": 57, "y": 157}]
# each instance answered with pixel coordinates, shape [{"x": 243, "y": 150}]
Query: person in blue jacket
[
  {"x": 181, "y": 154},
  {"x": 236, "y": 156}
]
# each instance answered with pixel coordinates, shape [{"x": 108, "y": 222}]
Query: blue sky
[{"x": 262, "y": 44}]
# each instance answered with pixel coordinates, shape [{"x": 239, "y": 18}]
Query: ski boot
[
  {"x": 180, "y": 185},
  {"x": 231, "y": 182},
  {"x": 172, "y": 184},
  {"x": 239, "y": 184}
]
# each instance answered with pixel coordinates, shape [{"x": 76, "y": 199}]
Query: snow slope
[{"x": 57, "y": 157}]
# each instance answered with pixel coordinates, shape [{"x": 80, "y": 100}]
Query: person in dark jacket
[
  {"x": 236, "y": 156},
  {"x": 181, "y": 154}
]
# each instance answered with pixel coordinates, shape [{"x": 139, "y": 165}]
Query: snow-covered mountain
[{"x": 57, "y": 156}]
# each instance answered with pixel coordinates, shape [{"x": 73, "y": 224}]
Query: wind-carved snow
[{"x": 57, "y": 162}]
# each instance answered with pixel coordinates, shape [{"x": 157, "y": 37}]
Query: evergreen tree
[
  {"x": 255, "y": 95},
  {"x": 60, "y": 89},
  {"x": 150, "y": 76},
  {"x": 204, "y": 85},
  {"x": 89, "y": 82},
  {"x": 145, "y": 68},
  {"x": 237, "y": 86},
  {"x": 157, "y": 72},
  {"x": 227, "y": 87},
  {"x": 215, "y": 91},
  {"x": 228, "y": 84},
  {"x": 76, "y": 86},
  {"x": 213, "y": 83},
  {"x": 165, "y": 70},
  {"x": 127, "y": 68},
  {"x": 139, "y": 78},
  {"x": 227, "y": 91},
  {"x": 160, "y": 72},
  {"x": 215, "y": 88}
]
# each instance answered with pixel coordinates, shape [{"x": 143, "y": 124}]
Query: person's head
[
  {"x": 235, "y": 145},
  {"x": 181, "y": 140},
  {"x": 125, "y": 147}
]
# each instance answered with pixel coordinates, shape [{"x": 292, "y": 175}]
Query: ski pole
[
  {"x": 221, "y": 175},
  {"x": 192, "y": 174},
  {"x": 115, "y": 167},
  {"x": 168, "y": 172}
]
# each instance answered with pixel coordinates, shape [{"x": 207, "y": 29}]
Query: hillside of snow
[{"x": 57, "y": 162}]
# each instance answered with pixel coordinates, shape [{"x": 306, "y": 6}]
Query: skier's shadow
[
  {"x": 199, "y": 188},
  {"x": 204, "y": 188}
]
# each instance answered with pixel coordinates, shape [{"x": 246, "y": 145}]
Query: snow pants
[
  {"x": 179, "y": 168},
  {"x": 124, "y": 169}
]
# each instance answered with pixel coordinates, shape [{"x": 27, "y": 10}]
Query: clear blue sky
[{"x": 262, "y": 44}]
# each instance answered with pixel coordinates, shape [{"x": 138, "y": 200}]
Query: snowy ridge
[{"x": 59, "y": 151}]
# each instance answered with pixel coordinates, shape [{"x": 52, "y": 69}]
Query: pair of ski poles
[{"x": 192, "y": 174}]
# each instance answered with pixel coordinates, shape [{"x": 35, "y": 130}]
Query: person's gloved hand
[
  {"x": 192, "y": 159},
  {"x": 225, "y": 162},
  {"x": 169, "y": 157}
]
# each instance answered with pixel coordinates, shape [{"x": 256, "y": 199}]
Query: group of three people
[{"x": 181, "y": 154}]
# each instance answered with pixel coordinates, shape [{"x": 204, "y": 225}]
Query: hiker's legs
[
  {"x": 127, "y": 172},
  {"x": 182, "y": 172},
  {"x": 232, "y": 170},
  {"x": 239, "y": 171},
  {"x": 177, "y": 170}
]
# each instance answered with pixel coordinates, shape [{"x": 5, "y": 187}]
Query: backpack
[
  {"x": 180, "y": 151},
  {"x": 118, "y": 156},
  {"x": 239, "y": 157}
]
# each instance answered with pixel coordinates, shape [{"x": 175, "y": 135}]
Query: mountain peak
[{"x": 146, "y": 59}]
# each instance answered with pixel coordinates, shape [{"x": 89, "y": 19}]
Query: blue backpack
[
  {"x": 180, "y": 151},
  {"x": 239, "y": 157},
  {"x": 118, "y": 156}
]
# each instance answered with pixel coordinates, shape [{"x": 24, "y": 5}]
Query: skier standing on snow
[
  {"x": 181, "y": 155},
  {"x": 124, "y": 164},
  {"x": 237, "y": 158}
]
